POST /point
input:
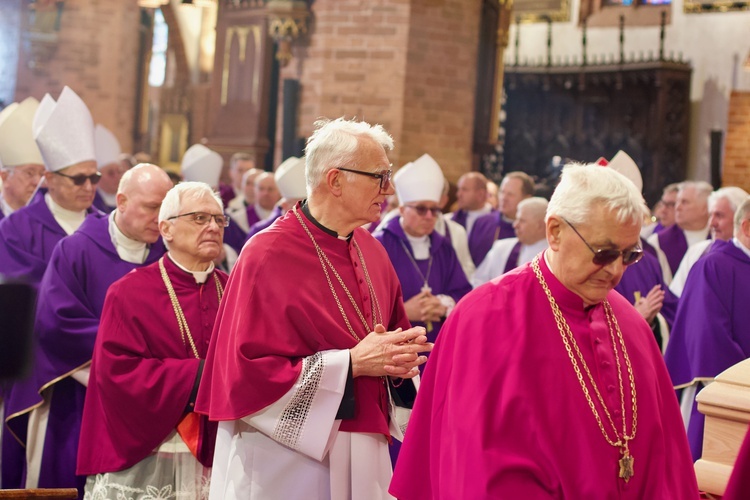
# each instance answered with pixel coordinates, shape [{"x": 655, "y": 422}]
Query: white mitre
[
  {"x": 419, "y": 180},
  {"x": 64, "y": 131},
  {"x": 201, "y": 164},
  {"x": 107, "y": 147},
  {"x": 290, "y": 178},
  {"x": 17, "y": 144}
]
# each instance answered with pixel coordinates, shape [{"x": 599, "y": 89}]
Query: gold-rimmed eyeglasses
[{"x": 203, "y": 218}]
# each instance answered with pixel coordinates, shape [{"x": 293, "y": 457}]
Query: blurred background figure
[{"x": 108, "y": 162}]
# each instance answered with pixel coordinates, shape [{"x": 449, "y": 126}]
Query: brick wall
[
  {"x": 407, "y": 64},
  {"x": 737, "y": 143},
  {"x": 96, "y": 56}
]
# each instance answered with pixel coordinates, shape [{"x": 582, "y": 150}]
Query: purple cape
[
  {"x": 641, "y": 277},
  {"x": 71, "y": 297},
  {"x": 263, "y": 224},
  {"x": 485, "y": 231},
  {"x": 100, "y": 204},
  {"x": 143, "y": 372},
  {"x": 673, "y": 243},
  {"x": 27, "y": 238},
  {"x": 234, "y": 236},
  {"x": 446, "y": 276},
  {"x": 710, "y": 331},
  {"x": 501, "y": 414}
]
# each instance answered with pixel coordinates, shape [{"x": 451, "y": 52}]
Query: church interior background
[{"x": 490, "y": 85}]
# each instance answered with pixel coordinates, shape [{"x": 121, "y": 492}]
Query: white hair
[
  {"x": 734, "y": 195},
  {"x": 702, "y": 188},
  {"x": 742, "y": 213},
  {"x": 334, "y": 143},
  {"x": 182, "y": 193},
  {"x": 586, "y": 188}
]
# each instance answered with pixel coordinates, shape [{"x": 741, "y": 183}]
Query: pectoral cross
[
  {"x": 626, "y": 465},
  {"x": 428, "y": 325}
]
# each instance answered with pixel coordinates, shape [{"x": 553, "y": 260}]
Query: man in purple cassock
[
  {"x": 643, "y": 286},
  {"x": 710, "y": 331},
  {"x": 71, "y": 297},
  {"x": 516, "y": 186},
  {"x": 64, "y": 133},
  {"x": 690, "y": 227},
  {"x": 430, "y": 274}
]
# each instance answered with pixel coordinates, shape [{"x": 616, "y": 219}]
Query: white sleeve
[{"x": 304, "y": 419}]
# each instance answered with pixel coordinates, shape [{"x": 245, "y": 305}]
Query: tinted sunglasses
[
  {"x": 80, "y": 179},
  {"x": 606, "y": 256},
  {"x": 422, "y": 210}
]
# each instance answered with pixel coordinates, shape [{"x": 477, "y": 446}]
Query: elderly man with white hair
[
  {"x": 547, "y": 382},
  {"x": 711, "y": 331},
  {"x": 139, "y": 434},
  {"x": 311, "y": 328},
  {"x": 722, "y": 205},
  {"x": 509, "y": 253},
  {"x": 690, "y": 227}
]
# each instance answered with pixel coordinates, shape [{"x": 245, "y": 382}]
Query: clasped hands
[
  {"x": 424, "y": 307},
  {"x": 397, "y": 353}
]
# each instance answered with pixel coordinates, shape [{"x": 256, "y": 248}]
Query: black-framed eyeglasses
[
  {"x": 606, "y": 256},
  {"x": 80, "y": 179},
  {"x": 422, "y": 210},
  {"x": 203, "y": 218},
  {"x": 384, "y": 176}
]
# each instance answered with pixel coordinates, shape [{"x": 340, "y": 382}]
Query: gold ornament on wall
[{"x": 287, "y": 21}]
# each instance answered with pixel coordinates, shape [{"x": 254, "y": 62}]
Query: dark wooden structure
[{"x": 41, "y": 494}]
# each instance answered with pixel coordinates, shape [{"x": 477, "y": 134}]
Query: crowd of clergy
[{"x": 273, "y": 336}]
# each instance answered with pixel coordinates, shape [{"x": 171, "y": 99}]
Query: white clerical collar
[
  {"x": 528, "y": 252},
  {"x": 6, "y": 209},
  {"x": 70, "y": 221},
  {"x": 109, "y": 199},
  {"x": 742, "y": 247},
  {"x": 420, "y": 245},
  {"x": 128, "y": 249},
  {"x": 694, "y": 237},
  {"x": 262, "y": 212},
  {"x": 200, "y": 276}
]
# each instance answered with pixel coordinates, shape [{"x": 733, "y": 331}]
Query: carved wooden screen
[{"x": 588, "y": 112}]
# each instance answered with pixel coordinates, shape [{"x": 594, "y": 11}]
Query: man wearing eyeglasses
[
  {"x": 310, "y": 329},
  {"x": 139, "y": 433},
  {"x": 71, "y": 296},
  {"x": 428, "y": 269},
  {"x": 547, "y": 383},
  {"x": 21, "y": 163},
  {"x": 64, "y": 133}
]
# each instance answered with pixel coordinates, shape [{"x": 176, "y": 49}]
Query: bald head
[
  {"x": 266, "y": 192},
  {"x": 139, "y": 197},
  {"x": 529, "y": 223}
]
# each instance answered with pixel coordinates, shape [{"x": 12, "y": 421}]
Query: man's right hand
[{"x": 395, "y": 353}]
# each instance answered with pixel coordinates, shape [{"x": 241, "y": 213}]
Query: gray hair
[
  {"x": 585, "y": 188},
  {"x": 182, "y": 193},
  {"x": 701, "y": 188},
  {"x": 740, "y": 215},
  {"x": 536, "y": 204},
  {"x": 334, "y": 144},
  {"x": 733, "y": 194}
]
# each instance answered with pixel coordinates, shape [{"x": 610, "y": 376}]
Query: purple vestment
[
  {"x": 252, "y": 215},
  {"x": 234, "y": 236},
  {"x": 710, "y": 331},
  {"x": 227, "y": 194},
  {"x": 673, "y": 243},
  {"x": 446, "y": 276},
  {"x": 100, "y": 204},
  {"x": 27, "y": 238},
  {"x": 642, "y": 277},
  {"x": 262, "y": 224},
  {"x": 71, "y": 297},
  {"x": 485, "y": 231}
]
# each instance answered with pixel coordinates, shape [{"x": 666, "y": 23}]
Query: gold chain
[
  {"x": 181, "y": 320},
  {"x": 325, "y": 264},
  {"x": 626, "y": 463}
]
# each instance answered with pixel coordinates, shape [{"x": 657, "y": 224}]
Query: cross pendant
[{"x": 626, "y": 465}]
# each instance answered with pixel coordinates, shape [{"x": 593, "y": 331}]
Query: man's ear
[
  {"x": 554, "y": 228},
  {"x": 334, "y": 179},
  {"x": 166, "y": 228}
]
